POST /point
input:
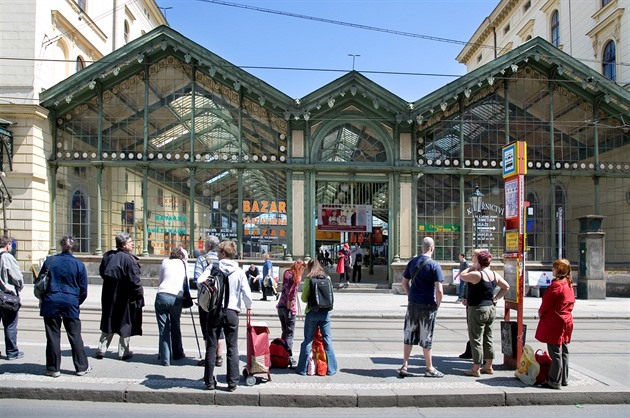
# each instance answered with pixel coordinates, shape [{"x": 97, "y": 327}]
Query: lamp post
[{"x": 476, "y": 201}]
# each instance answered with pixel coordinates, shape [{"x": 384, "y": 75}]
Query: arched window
[
  {"x": 80, "y": 63},
  {"x": 609, "y": 62},
  {"x": 80, "y": 222},
  {"x": 555, "y": 29},
  {"x": 126, "y": 33}
]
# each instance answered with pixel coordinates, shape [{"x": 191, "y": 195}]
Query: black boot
[{"x": 467, "y": 354}]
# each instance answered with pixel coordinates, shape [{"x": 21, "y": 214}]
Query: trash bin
[{"x": 509, "y": 332}]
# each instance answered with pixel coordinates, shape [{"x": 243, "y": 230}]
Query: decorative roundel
[
  {"x": 245, "y": 157},
  {"x": 139, "y": 156},
  {"x": 113, "y": 155},
  {"x": 168, "y": 156},
  {"x": 273, "y": 158},
  {"x": 59, "y": 154},
  {"x": 122, "y": 155},
  {"x": 177, "y": 156},
  {"x": 467, "y": 163},
  {"x": 159, "y": 156},
  {"x": 420, "y": 161},
  {"x": 282, "y": 158}
]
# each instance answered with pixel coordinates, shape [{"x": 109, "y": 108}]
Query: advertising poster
[{"x": 344, "y": 218}]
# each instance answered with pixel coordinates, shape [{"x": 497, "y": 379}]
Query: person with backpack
[
  {"x": 287, "y": 305},
  {"x": 224, "y": 318},
  {"x": 203, "y": 263},
  {"x": 357, "y": 262},
  {"x": 10, "y": 274},
  {"x": 318, "y": 296}
]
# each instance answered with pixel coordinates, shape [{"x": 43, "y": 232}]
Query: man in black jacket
[{"x": 122, "y": 297}]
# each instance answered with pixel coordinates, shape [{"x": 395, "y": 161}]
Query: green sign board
[{"x": 438, "y": 228}]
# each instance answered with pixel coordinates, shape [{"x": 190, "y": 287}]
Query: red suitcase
[{"x": 258, "y": 358}]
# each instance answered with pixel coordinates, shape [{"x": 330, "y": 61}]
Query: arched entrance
[{"x": 352, "y": 205}]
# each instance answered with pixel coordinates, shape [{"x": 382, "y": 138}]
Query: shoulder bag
[{"x": 187, "y": 301}]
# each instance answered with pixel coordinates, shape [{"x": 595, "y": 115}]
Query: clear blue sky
[{"x": 254, "y": 38}]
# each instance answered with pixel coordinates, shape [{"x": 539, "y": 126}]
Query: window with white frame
[
  {"x": 609, "y": 61},
  {"x": 555, "y": 28}
]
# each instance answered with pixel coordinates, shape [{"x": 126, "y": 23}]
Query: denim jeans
[
  {"x": 10, "y": 322},
  {"x": 312, "y": 321},
  {"x": 168, "y": 311}
]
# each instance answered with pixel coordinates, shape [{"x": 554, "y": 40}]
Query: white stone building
[
  {"x": 42, "y": 42},
  {"x": 595, "y": 32}
]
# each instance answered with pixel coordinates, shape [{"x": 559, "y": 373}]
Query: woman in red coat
[{"x": 556, "y": 322}]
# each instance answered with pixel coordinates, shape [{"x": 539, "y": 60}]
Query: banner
[{"x": 344, "y": 218}]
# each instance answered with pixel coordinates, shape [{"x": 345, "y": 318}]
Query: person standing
[
  {"x": 422, "y": 282},
  {"x": 314, "y": 320},
  {"x": 556, "y": 322},
  {"x": 253, "y": 277},
  {"x": 357, "y": 261},
  {"x": 268, "y": 282},
  {"x": 122, "y": 297},
  {"x": 67, "y": 290},
  {"x": 10, "y": 274},
  {"x": 203, "y": 263},
  {"x": 287, "y": 305},
  {"x": 168, "y": 306},
  {"x": 480, "y": 310},
  {"x": 236, "y": 289},
  {"x": 463, "y": 265}
]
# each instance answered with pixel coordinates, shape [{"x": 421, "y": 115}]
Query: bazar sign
[{"x": 264, "y": 206}]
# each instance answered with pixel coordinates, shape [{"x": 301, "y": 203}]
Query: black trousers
[
  {"x": 53, "y": 343},
  {"x": 356, "y": 271},
  {"x": 229, "y": 325},
  {"x": 287, "y": 323}
]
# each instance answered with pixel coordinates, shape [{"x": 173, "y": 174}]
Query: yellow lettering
[
  {"x": 282, "y": 207},
  {"x": 273, "y": 208},
  {"x": 255, "y": 207},
  {"x": 246, "y": 206},
  {"x": 264, "y": 206}
]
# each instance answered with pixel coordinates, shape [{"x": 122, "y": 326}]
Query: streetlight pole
[{"x": 476, "y": 201}]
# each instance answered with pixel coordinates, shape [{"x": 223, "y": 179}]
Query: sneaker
[
  {"x": 99, "y": 355},
  {"x": 212, "y": 385},
  {"x": 126, "y": 356},
  {"x": 19, "y": 355},
  {"x": 433, "y": 373},
  {"x": 84, "y": 372},
  {"x": 219, "y": 361},
  {"x": 53, "y": 373},
  {"x": 231, "y": 388}
]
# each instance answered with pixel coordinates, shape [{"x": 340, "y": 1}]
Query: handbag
[
  {"x": 9, "y": 300},
  {"x": 187, "y": 301},
  {"x": 545, "y": 361},
  {"x": 42, "y": 284}
]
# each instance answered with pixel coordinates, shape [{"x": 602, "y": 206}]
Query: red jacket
[
  {"x": 556, "y": 321},
  {"x": 341, "y": 262}
]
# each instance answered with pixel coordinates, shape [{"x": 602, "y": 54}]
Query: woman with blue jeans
[
  {"x": 168, "y": 307},
  {"x": 312, "y": 321}
]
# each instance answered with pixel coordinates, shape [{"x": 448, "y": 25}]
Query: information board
[{"x": 511, "y": 275}]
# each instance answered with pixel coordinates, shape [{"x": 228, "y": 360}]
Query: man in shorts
[{"x": 422, "y": 281}]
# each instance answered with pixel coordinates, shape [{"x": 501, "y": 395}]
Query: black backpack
[
  {"x": 211, "y": 290},
  {"x": 320, "y": 297}
]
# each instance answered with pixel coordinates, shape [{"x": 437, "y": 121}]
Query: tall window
[
  {"x": 80, "y": 221},
  {"x": 126, "y": 33},
  {"x": 555, "y": 29},
  {"x": 81, "y": 4},
  {"x": 605, "y": 2},
  {"x": 609, "y": 64},
  {"x": 80, "y": 64}
]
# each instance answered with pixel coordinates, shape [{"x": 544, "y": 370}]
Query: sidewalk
[{"x": 365, "y": 378}]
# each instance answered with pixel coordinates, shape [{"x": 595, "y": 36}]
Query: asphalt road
[{"x": 68, "y": 409}]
